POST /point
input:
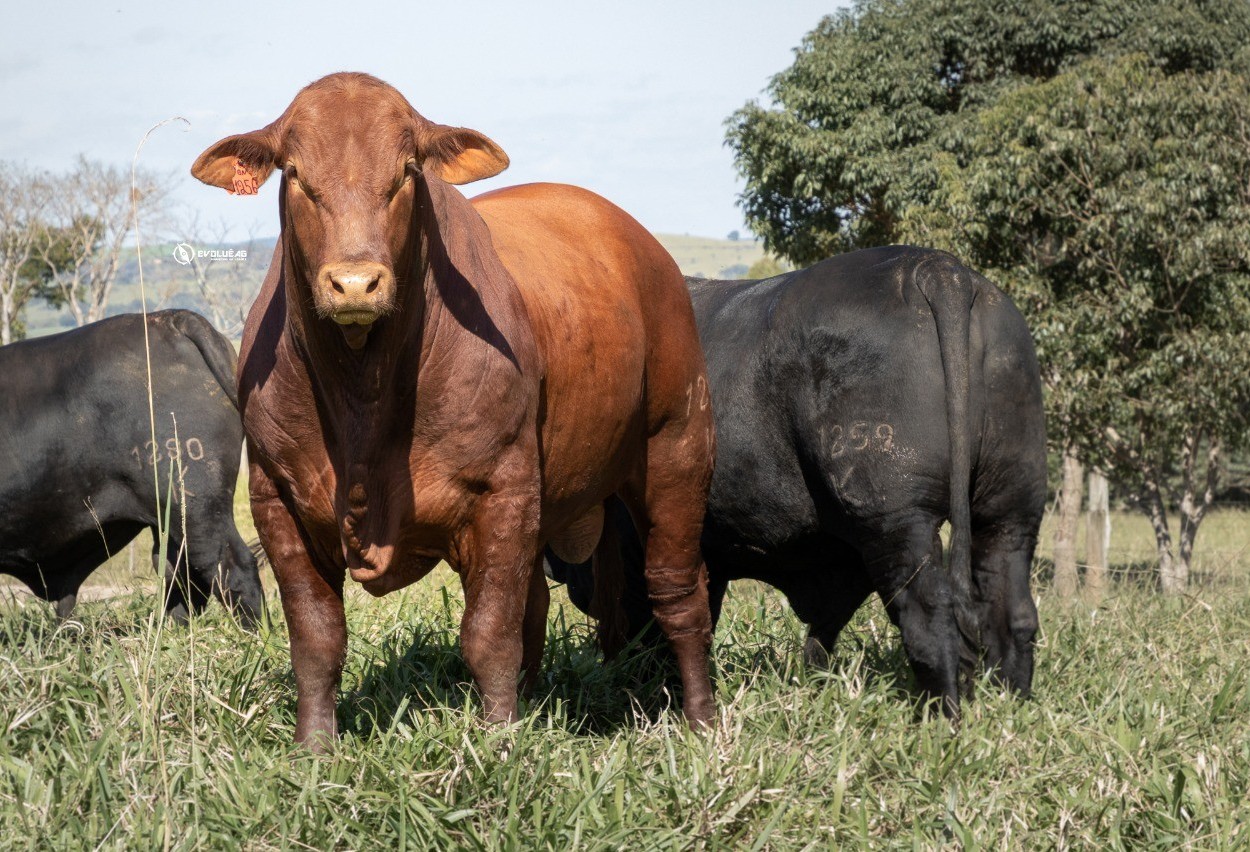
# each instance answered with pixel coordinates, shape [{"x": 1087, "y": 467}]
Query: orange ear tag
[{"x": 245, "y": 182}]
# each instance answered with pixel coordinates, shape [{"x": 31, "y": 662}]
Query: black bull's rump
[
  {"x": 851, "y": 400},
  {"x": 77, "y": 459}
]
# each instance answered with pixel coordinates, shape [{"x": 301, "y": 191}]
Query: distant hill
[
  {"x": 705, "y": 257},
  {"x": 171, "y": 285}
]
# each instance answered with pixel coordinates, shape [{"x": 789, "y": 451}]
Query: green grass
[{"x": 121, "y": 732}]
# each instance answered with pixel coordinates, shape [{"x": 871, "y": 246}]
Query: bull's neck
[
  {"x": 447, "y": 289},
  {"x": 383, "y": 372}
]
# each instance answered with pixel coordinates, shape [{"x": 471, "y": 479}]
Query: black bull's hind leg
[
  {"x": 1001, "y": 559},
  {"x": 210, "y": 561},
  {"x": 905, "y": 562}
]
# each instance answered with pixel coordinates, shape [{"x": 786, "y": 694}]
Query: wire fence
[{"x": 1221, "y": 554}]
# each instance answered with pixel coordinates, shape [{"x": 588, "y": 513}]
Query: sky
[{"x": 626, "y": 99}]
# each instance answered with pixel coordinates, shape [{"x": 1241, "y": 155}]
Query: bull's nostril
[
  {"x": 338, "y": 288},
  {"x": 373, "y": 285}
]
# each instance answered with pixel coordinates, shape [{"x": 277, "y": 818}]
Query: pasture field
[
  {"x": 121, "y": 732},
  {"x": 705, "y": 257}
]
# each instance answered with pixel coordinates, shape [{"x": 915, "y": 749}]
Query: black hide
[{"x": 77, "y": 481}]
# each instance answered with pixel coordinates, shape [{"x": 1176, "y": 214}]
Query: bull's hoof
[
  {"x": 815, "y": 655},
  {"x": 178, "y": 614},
  {"x": 65, "y": 606},
  {"x": 700, "y": 716},
  {"x": 317, "y": 742}
]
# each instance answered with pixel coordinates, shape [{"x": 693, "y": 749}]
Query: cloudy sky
[{"x": 627, "y": 99}]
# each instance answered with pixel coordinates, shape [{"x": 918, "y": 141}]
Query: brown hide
[{"x": 426, "y": 378}]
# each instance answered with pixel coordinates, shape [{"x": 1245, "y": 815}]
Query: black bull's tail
[
  {"x": 950, "y": 289},
  {"x": 608, "y": 570},
  {"x": 217, "y": 352}
]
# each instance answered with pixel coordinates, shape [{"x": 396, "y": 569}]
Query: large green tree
[
  {"x": 1090, "y": 157},
  {"x": 1113, "y": 202},
  {"x": 857, "y": 127}
]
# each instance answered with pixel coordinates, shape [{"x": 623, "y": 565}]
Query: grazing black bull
[
  {"x": 77, "y": 477},
  {"x": 858, "y": 405}
]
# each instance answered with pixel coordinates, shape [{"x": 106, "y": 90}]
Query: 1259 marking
[{"x": 858, "y": 436}]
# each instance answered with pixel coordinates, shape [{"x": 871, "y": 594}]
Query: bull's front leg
[
  {"x": 312, "y": 601},
  {"x": 505, "y": 610}
]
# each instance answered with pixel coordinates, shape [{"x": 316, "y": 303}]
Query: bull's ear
[
  {"x": 238, "y": 164},
  {"x": 461, "y": 155}
]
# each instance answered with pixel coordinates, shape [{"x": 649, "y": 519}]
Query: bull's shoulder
[{"x": 562, "y": 214}]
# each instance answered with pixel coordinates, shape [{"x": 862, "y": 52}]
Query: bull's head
[{"x": 351, "y": 149}]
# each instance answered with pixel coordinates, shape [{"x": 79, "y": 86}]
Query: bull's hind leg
[
  {"x": 1001, "y": 561},
  {"x": 182, "y": 597},
  {"x": 905, "y": 563},
  {"x": 207, "y": 560},
  {"x": 535, "y": 628},
  {"x": 677, "y": 478},
  {"x": 185, "y": 593}
]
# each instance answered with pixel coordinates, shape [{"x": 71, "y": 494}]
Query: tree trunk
[
  {"x": 6, "y": 321},
  {"x": 1065, "y": 534},
  {"x": 1194, "y": 507},
  {"x": 1097, "y": 537},
  {"x": 1170, "y": 581}
]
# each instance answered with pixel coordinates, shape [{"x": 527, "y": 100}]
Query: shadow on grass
[
  {"x": 31, "y": 620},
  {"x": 418, "y": 668}
]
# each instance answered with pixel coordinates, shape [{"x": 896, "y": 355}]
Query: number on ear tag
[{"x": 245, "y": 182}]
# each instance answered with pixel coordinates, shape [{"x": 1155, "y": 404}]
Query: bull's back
[
  {"x": 86, "y": 391},
  {"x": 784, "y": 380},
  {"x": 606, "y": 304},
  {"x": 830, "y": 396},
  {"x": 76, "y": 424}
]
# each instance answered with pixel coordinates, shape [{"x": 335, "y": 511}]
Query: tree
[
  {"x": 878, "y": 99},
  {"x": 1114, "y": 202},
  {"x": 766, "y": 267},
  {"x": 92, "y": 211},
  {"x": 1090, "y": 157},
  {"x": 23, "y": 197}
]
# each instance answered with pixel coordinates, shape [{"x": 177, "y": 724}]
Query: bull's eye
[
  {"x": 294, "y": 179},
  {"x": 404, "y": 178}
]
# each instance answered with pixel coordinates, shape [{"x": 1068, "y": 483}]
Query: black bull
[
  {"x": 852, "y": 400},
  {"x": 77, "y": 478}
]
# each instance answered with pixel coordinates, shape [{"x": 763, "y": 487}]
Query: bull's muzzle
[{"x": 355, "y": 295}]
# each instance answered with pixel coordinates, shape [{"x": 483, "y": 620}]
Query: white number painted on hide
[
  {"x": 703, "y": 396},
  {"x": 191, "y": 448},
  {"x": 858, "y": 436}
]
